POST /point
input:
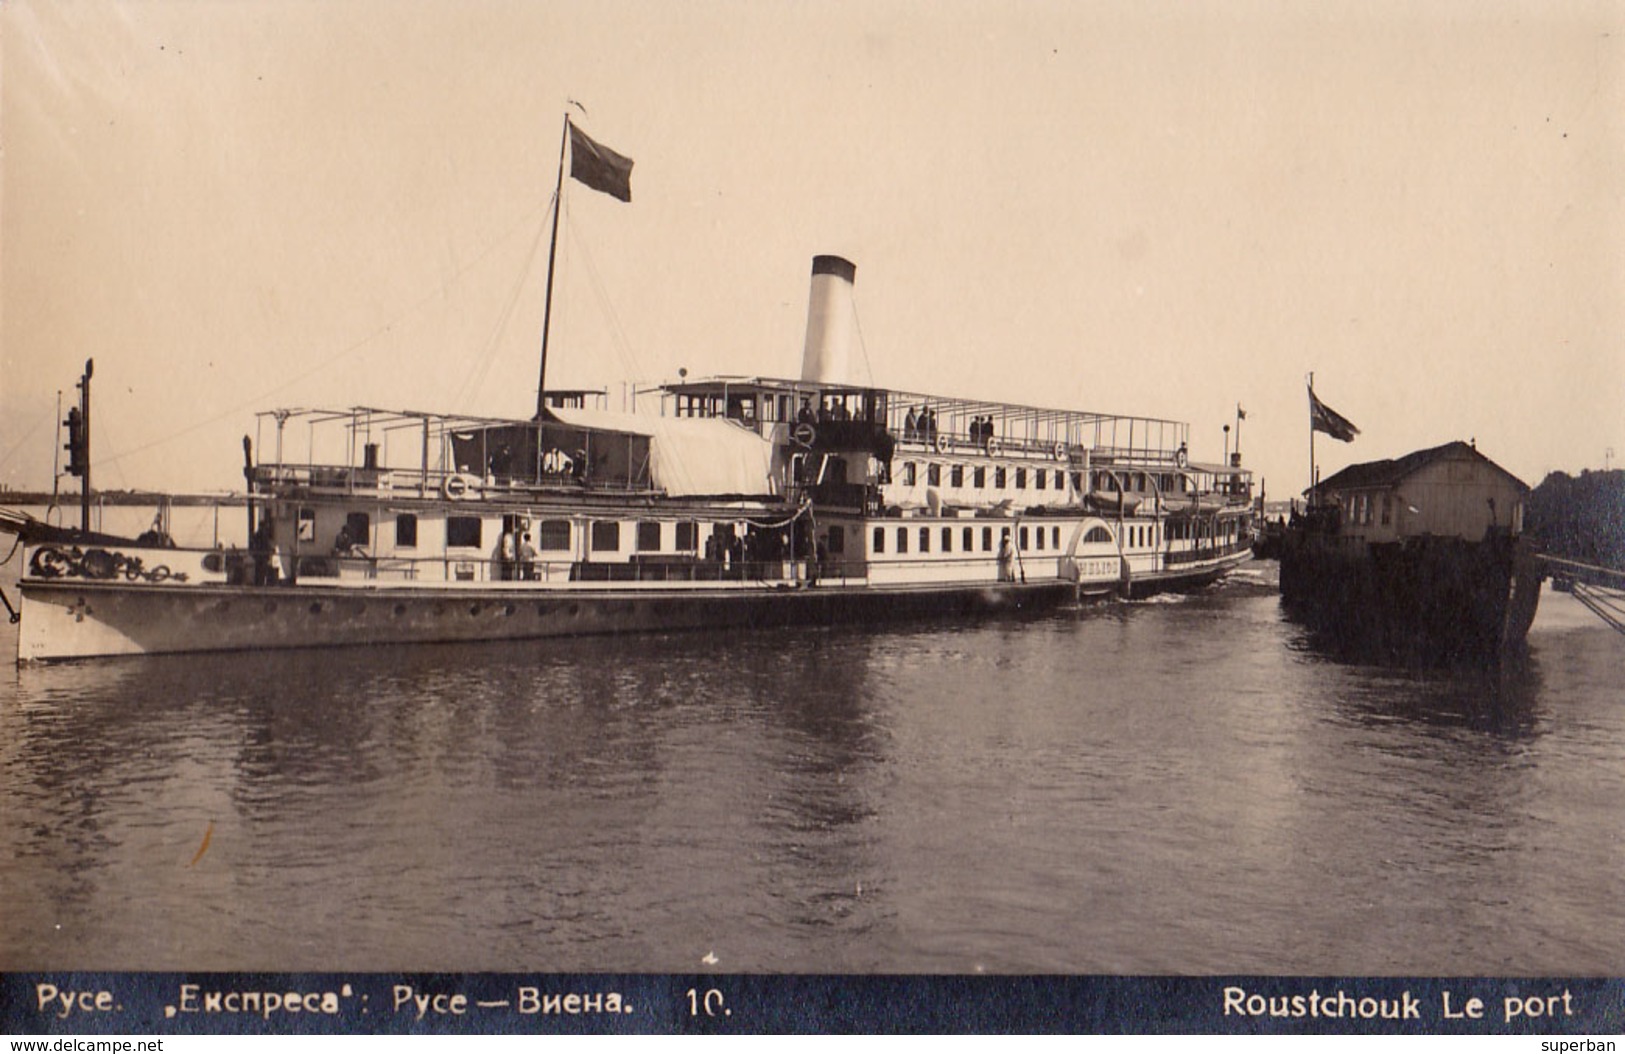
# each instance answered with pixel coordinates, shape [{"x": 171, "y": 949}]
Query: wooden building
[{"x": 1449, "y": 491}]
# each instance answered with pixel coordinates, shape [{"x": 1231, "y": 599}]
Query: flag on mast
[
  {"x": 599, "y": 167},
  {"x": 1323, "y": 418}
]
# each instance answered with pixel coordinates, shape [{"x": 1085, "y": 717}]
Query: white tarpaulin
[{"x": 690, "y": 455}]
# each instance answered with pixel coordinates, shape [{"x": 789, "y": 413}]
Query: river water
[{"x": 1182, "y": 785}]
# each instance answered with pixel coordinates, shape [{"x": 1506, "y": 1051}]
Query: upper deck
[{"x": 772, "y": 406}]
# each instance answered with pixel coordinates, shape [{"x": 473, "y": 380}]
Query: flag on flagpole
[
  {"x": 599, "y": 167},
  {"x": 1323, "y": 418},
  {"x": 1241, "y": 415}
]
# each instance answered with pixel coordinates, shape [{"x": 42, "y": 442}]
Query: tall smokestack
[{"x": 830, "y": 315}]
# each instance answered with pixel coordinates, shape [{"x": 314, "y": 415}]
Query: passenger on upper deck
[
  {"x": 805, "y": 414},
  {"x": 911, "y": 424},
  {"x": 344, "y": 543}
]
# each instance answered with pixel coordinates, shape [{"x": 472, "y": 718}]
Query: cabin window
[
  {"x": 648, "y": 536},
  {"x": 1055, "y": 536},
  {"x": 606, "y": 536},
  {"x": 999, "y": 478},
  {"x": 1060, "y": 480},
  {"x": 307, "y": 525},
  {"x": 902, "y": 539},
  {"x": 880, "y": 539},
  {"x": 1077, "y": 481},
  {"x": 462, "y": 531},
  {"x": 967, "y": 539},
  {"x": 979, "y": 478},
  {"x": 836, "y": 542},
  {"x": 1040, "y": 538},
  {"x": 1098, "y": 534},
  {"x": 688, "y": 533},
  {"x": 925, "y": 539},
  {"x": 1039, "y": 479},
  {"x": 987, "y": 539},
  {"x": 1023, "y": 539},
  {"x": 359, "y": 524},
  {"x": 956, "y": 476},
  {"x": 553, "y": 536},
  {"x": 933, "y": 474},
  {"x": 947, "y": 539},
  {"x": 908, "y": 474},
  {"x": 406, "y": 530},
  {"x": 1387, "y": 509},
  {"x": 1021, "y": 479}
]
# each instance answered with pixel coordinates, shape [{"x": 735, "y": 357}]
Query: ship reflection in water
[{"x": 1181, "y": 785}]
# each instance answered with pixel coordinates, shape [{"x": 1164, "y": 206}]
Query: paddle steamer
[{"x": 744, "y": 501}]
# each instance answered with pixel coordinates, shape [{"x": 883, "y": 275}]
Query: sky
[{"x": 1162, "y": 209}]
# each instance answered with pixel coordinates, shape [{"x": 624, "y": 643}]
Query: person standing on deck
[
  {"x": 502, "y": 557},
  {"x": 1007, "y": 558},
  {"x": 527, "y": 559}
]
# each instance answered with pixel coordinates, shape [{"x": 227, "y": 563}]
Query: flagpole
[
  {"x": 1312, "y": 494},
  {"x": 552, "y": 253}
]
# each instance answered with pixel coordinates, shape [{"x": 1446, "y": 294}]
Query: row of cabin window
[
  {"x": 967, "y": 539},
  {"x": 546, "y": 535},
  {"x": 1042, "y": 479},
  {"x": 978, "y": 476}
]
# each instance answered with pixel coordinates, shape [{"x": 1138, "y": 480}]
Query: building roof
[{"x": 1392, "y": 471}]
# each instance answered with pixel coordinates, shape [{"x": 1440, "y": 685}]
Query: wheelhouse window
[
  {"x": 462, "y": 531},
  {"x": 406, "y": 530}
]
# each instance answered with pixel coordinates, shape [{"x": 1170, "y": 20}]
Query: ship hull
[
  {"x": 78, "y": 619},
  {"x": 89, "y": 619},
  {"x": 1424, "y": 602}
]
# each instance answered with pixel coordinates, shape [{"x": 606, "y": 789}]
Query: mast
[{"x": 552, "y": 252}]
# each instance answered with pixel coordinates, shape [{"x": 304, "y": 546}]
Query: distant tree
[{"x": 1580, "y": 518}]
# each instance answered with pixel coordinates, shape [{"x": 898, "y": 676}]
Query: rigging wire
[
  {"x": 487, "y": 357},
  {"x": 863, "y": 348},
  {"x": 29, "y": 434},
  {"x": 623, "y": 344},
  {"x": 332, "y": 360}
]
